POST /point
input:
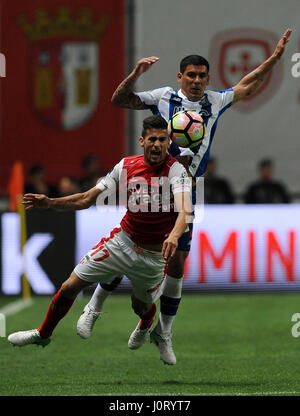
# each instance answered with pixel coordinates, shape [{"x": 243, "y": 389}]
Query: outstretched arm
[
  {"x": 254, "y": 79},
  {"x": 68, "y": 203},
  {"x": 124, "y": 96}
]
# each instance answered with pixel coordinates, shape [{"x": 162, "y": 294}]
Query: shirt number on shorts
[{"x": 106, "y": 254}]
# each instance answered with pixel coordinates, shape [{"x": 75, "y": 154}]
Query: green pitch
[{"x": 226, "y": 344}]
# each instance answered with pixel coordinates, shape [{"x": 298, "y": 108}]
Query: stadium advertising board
[
  {"x": 234, "y": 248},
  {"x": 49, "y": 253}
]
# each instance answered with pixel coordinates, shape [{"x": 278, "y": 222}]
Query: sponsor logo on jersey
[{"x": 203, "y": 112}]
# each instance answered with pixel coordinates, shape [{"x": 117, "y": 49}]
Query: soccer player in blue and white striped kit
[{"x": 193, "y": 79}]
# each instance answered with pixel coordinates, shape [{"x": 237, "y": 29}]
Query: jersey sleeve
[
  {"x": 151, "y": 97},
  {"x": 109, "y": 182},
  {"x": 225, "y": 99},
  {"x": 179, "y": 179}
]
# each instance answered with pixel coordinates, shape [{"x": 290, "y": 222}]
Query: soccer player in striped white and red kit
[{"x": 157, "y": 189}]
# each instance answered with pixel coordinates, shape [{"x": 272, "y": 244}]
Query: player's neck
[
  {"x": 153, "y": 164},
  {"x": 194, "y": 100}
]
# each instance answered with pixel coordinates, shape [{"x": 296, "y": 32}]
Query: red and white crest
[
  {"x": 64, "y": 82},
  {"x": 63, "y": 65},
  {"x": 235, "y": 53}
]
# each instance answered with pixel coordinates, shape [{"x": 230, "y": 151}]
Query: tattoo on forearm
[
  {"x": 66, "y": 205},
  {"x": 71, "y": 202},
  {"x": 125, "y": 97},
  {"x": 259, "y": 76}
]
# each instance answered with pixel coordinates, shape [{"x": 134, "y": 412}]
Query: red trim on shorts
[
  {"x": 153, "y": 289},
  {"x": 138, "y": 249},
  {"x": 103, "y": 240}
]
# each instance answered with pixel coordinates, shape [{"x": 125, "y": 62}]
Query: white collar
[{"x": 181, "y": 95}]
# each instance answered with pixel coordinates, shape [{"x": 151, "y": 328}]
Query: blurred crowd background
[{"x": 264, "y": 189}]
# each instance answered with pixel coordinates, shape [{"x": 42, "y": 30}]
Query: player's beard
[{"x": 155, "y": 156}]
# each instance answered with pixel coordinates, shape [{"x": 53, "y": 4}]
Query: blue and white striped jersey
[{"x": 166, "y": 102}]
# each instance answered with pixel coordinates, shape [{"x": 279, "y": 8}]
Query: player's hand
[
  {"x": 144, "y": 64},
  {"x": 31, "y": 201},
  {"x": 282, "y": 42},
  {"x": 169, "y": 247}
]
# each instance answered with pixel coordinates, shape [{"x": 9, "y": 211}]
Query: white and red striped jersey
[{"x": 148, "y": 194}]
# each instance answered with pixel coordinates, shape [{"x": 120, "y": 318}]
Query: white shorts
[{"x": 118, "y": 255}]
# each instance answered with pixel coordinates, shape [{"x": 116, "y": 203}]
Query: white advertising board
[{"x": 234, "y": 247}]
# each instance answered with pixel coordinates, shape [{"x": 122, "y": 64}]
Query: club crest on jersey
[
  {"x": 235, "y": 53},
  {"x": 63, "y": 65}
]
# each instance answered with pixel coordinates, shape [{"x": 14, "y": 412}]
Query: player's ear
[
  {"x": 179, "y": 77},
  {"x": 141, "y": 140}
]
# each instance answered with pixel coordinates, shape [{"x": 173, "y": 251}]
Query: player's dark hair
[
  {"x": 193, "y": 60},
  {"x": 153, "y": 122}
]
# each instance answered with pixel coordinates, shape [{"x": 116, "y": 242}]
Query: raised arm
[
  {"x": 254, "y": 79},
  {"x": 68, "y": 203},
  {"x": 124, "y": 96}
]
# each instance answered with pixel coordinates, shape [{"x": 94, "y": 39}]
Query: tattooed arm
[
  {"x": 124, "y": 96},
  {"x": 68, "y": 203},
  {"x": 254, "y": 79}
]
